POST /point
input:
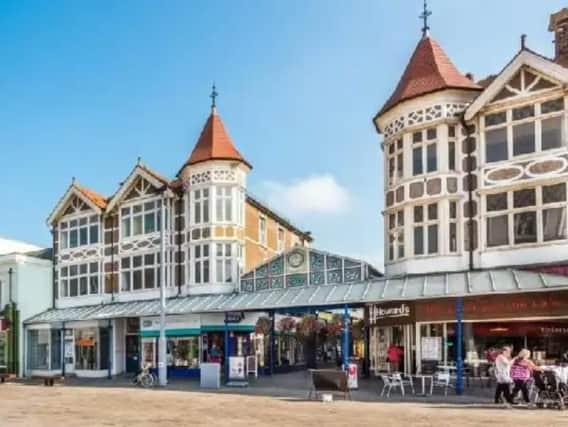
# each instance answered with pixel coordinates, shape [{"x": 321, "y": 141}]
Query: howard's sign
[{"x": 401, "y": 312}]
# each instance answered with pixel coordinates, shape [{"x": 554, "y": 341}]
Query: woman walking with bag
[{"x": 521, "y": 371}]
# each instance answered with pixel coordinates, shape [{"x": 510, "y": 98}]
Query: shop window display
[
  {"x": 183, "y": 352},
  {"x": 86, "y": 347},
  {"x": 38, "y": 349}
]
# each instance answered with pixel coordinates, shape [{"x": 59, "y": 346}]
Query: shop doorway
[{"x": 132, "y": 353}]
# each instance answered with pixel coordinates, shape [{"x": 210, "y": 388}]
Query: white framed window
[
  {"x": 527, "y": 216},
  {"x": 524, "y": 130},
  {"x": 262, "y": 230},
  {"x": 395, "y": 161},
  {"x": 396, "y": 235},
  {"x": 201, "y": 263},
  {"x": 281, "y": 239},
  {"x": 452, "y": 144},
  {"x": 77, "y": 232},
  {"x": 224, "y": 204},
  {"x": 143, "y": 218},
  {"x": 426, "y": 227},
  {"x": 453, "y": 227},
  {"x": 224, "y": 262},
  {"x": 79, "y": 280},
  {"x": 200, "y": 208},
  {"x": 139, "y": 272},
  {"x": 424, "y": 151}
]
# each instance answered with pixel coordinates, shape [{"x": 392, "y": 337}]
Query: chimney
[{"x": 559, "y": 25}]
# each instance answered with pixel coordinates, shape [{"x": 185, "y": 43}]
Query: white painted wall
[{"x": 32, "y": 284}]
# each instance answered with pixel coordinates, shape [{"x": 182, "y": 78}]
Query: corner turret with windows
[{"x": 476, "y": 173}]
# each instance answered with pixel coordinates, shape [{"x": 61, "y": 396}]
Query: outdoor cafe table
[{"x": 423, "y": 379}]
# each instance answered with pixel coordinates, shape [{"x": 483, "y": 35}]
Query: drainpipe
[
  {"x": 469, "y": 190},
  {"x": 10, "y": 273}
]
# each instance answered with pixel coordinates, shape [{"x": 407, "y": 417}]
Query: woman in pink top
[{"x": 521, "y": 371}]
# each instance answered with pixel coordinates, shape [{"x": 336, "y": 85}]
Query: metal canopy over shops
[{"x": 464, "y": 284}]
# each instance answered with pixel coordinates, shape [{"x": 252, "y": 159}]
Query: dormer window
[{"x": 79, "y": 232}]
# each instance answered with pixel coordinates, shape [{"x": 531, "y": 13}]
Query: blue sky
[{"x": 88, "y": 86}]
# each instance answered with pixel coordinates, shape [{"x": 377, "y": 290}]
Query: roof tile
[
  {"x": 214, "y": 143},
  {"x": 428, "y": 70}
]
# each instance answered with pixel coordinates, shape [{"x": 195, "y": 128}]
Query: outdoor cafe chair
[
  {"x": 406, "y": 380},
  {"x": 390, "y": 382},
  {"x": 441, "y": 380}
]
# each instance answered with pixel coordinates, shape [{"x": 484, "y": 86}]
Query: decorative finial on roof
[
  {"x": 73, "y": 180},
  {"x": 424, "y": 16},
  {"x": 139, "y": 161},
  {"x": 523, "y": 41},
  {"x": 213, "y": 96}
]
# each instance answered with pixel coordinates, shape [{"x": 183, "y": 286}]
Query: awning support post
[
  {"x": 345, "y": 349},
  {"x": 226, "y": 349},
  {"x": 459, "y": 357},
  {"x": 272, "y": 341}
]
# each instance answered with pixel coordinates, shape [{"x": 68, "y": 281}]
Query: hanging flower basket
[
  {"x": 263, "y": 326},
  {"x": 308, "y": 326},
  {"x": 287, "y": 324}
]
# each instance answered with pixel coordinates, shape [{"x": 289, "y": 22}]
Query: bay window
[
  {"x": 139, "y": 272},
  {"x": 79, "y": 280},
  {"x": 530, "y": 216},
  {"x": 201, "y": 263},
  {"x": 425, "y": 151},
  {"x": 453, "y": 227},
  {"x": 426, "y": 229},
  {"x": 200, "y": 206},
  {"x": 224, "y": 204},
  {"x": 140, "y": 219},
  {"x": 224, "y": 263},
  {"x": 79, "y": 232},
  {"x": 524, "y": 130},
  {"x": 395, "y": 161},
  {"x": 396, "y": 235}
]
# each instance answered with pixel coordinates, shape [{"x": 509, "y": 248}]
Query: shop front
[
  {"x": 194, "y": 339},
  {"x": 537, "y": 321},
  {"x": 391, "y": 336}
]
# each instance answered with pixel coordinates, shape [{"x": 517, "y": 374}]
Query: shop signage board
[
  {"x": 353, "y": 376},
  {"x": 172, "y": 322},
  {"x": 395, "y": 313},
  {"x": 431, "y": 348},
  {"x": 237, "y": 368},
  {"x": 501, "y": 306},
  {"x": 234, "y": 317}
]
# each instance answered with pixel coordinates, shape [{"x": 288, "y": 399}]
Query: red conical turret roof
[
  {"x": 429, "y": 70},
  {"x": 214, "y": 144}
]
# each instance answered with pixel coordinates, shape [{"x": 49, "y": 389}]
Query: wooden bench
[
  {"x": 329, "y": 380},
  {"x": 49, "y": 380}
]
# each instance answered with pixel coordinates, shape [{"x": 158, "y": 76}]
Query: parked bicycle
[{"x": 145, "y": 378}]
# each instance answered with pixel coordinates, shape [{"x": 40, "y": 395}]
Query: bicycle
[{"x": 145, "y": 378}]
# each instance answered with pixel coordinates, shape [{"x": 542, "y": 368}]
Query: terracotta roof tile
[
  {"x": 93, "y": 196},
  {"x": 428, "y": 70},
  {"x": 214, "y": 144}
]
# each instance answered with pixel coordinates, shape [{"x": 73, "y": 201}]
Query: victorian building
[
  {"x": 108, "y": 253},
  {"x": 475, "y": 194}
]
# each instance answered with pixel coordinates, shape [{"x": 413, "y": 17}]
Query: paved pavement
[{"x": 296, "y": 386}]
